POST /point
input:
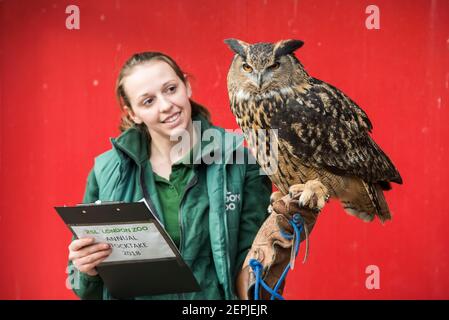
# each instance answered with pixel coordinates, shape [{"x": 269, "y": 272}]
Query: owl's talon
[{"x": 312, "y": 195}]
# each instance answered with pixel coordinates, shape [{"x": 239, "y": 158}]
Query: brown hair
[{"x": 140, "y": 59}]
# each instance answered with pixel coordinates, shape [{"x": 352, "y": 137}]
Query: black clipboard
[{"x": 137, "y": 276}]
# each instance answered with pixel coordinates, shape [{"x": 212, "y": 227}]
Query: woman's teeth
[{"x": 173, "y": 118}]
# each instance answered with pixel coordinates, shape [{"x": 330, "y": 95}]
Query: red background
[{"x": 58, "y": 111}]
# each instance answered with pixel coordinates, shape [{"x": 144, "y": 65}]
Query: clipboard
[{"x": 133, "y": 268}]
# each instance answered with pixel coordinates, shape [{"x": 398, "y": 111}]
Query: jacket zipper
[
  {"x": 147, "y": 196},
  {"x": 142, "y": 183},
  {"x": 191, "y": 183},
  {"x": 226, "y": 232}
]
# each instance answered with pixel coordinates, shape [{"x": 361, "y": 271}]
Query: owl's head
[{"x": 263, "y": 67}]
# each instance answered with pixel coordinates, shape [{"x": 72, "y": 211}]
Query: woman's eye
[
  {"x": 247, "y": 67},
  {"x": 171, "y": 89},
  {"x": 148, "y": 101}
]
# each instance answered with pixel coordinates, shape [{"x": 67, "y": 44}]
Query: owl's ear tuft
[
  {"x": 238, "y": 46},
  {"x": 284, "y": 47}
]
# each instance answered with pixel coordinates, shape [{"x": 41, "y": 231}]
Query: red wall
[{"x": 58, "y": 111}]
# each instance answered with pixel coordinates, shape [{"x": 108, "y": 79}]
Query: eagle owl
[{"x": 322, "y": 135}]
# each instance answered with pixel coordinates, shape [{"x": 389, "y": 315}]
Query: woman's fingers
[
  {"x": 90, "y": 267},
  {"x": 88, "y": 250},
  {"x": 88, "y": 259},
  {"x": 80, "y": 243},
  {"x": 86, "y": 255}
]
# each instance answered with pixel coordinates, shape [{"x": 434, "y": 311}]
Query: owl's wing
[{"x": 326, "y": 129}]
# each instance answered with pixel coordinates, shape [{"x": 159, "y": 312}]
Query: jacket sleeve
[
  {"x": 84, "y": 285},
  {"x": 256, "y": 199}
]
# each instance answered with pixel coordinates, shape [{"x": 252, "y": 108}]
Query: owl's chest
[{"x": 254, "y": 114}]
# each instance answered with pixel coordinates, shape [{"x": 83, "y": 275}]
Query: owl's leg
[{"x": 313, "y": 194}]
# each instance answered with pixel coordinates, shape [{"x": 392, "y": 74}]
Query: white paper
[{"x": 137, "y": 241}]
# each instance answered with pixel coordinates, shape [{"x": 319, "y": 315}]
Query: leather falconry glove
[{"x": 271, "y": 247}]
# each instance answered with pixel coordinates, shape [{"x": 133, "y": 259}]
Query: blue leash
[{"x": 297, "y": 223}]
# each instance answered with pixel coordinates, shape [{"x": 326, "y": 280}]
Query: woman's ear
[{"x": 131, "y": 113}]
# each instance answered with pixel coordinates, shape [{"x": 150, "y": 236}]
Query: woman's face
[{"x": 159, "y": 99}]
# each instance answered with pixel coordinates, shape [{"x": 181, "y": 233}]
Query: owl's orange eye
[
  {"x": 247, "y": 67},
  {"x": 274, "y": 66}
]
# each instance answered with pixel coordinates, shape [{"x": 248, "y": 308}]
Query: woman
[{"x": 212, "y": 210}]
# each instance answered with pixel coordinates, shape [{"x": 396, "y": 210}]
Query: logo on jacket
[{"x": 232, "y": 200}]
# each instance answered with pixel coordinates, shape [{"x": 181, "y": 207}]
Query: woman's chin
[{"x": 180, "y": 129}]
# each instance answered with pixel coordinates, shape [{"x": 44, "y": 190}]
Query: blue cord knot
[
  {"x": 255, "y": 264},
  {"x": 298, "y": 219}
]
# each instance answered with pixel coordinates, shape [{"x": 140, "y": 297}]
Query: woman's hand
[{"x": 85, "y": 254}]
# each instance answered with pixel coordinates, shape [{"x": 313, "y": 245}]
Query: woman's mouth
[{"x": 172, "y": 118}]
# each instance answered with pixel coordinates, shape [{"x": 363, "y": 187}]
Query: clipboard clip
[{"x": 99, "y": 202}]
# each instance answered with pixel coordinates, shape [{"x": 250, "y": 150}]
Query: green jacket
[{"x": 237, "y": 198}]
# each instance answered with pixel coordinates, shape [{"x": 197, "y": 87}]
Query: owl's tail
[
  {"x": 367, "y": 203},
  {"x": 378, "y": 199}
]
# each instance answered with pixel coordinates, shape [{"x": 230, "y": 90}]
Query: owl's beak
[{"x": 259, "y": 80}]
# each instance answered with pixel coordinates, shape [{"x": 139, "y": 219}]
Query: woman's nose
[{"x": 165, "y": 104}]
